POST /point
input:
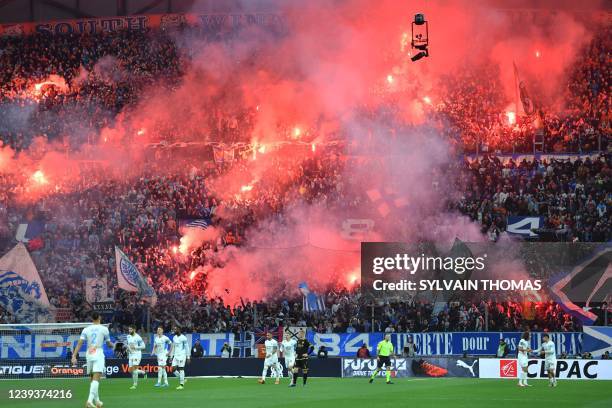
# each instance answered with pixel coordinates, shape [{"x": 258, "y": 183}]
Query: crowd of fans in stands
[
  {"x": 574, "y": 197},
  {"x": 83, "y": 226}
]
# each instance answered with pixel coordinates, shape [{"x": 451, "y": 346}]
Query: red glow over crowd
[{"x": 118, "y": 138}]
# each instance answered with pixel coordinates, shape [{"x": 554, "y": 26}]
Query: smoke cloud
[{"x": 333, "y": 75}]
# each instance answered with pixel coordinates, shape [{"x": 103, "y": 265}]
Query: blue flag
[
  {"x": 311, "y": 302},
  {"x": 22, "y": 293},
  {"x": 200, "y": 223},
  {"x": 130, "y": 279}
]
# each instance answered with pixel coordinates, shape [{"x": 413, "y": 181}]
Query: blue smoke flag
[
  {"x": 130, "y": 279},
  {"x": 22, "y": 293},
  {"x": 311, "y": 302}
]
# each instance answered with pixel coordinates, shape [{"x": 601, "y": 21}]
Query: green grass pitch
[{"x": 320, "y": 392}]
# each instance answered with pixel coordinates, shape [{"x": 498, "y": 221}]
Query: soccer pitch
[{"x": 320, "y": 392}]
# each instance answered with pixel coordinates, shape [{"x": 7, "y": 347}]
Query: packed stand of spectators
[
  {"x": 472, "y": 110},
  {"x": 83, "y": 225},
  {"x": 574, "y": 197},
  {"x": 104, "y": 73},
  {"x": 142, "y": 217}
]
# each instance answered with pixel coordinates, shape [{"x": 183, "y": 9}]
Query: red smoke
[{"x": 313, "y": 85}]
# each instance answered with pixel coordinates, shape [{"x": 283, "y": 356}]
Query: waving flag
[
  {"x": 130, "y": 279},
  {"x": 588, "y": 283},
  {"x": 311, "y": 302},
  {"x": 527, "y": 106},
  {"x": 31, "y": 230},
  {"x": 96, "y": 290},
  {"x": 22, "y": 292},
  {"x": 199, "y": 223},
  {"x": 261, "y": 332}
]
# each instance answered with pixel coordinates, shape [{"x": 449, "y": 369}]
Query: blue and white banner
[
  {"x": 597, "y": 340},
  {"x": 243, "y": 345},
  {"x": 199, "y": 223},
  {"x": 32, "y": 229},
  {"x": 345, "y": 345},
  {"x": 130, "y": 279},
  {"x": 54, "y": 346},
  {"x": 22, "y": 293},
  {"x": 311, "y": 302},
  {"x": 523, "y": 226},
  {"x": 435, "y": 344}
]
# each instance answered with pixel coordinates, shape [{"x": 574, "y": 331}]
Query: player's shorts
[
  {"x": 96, "y": 366},
  {"x": 550, "y": 364},
  {"x": 523, "y": 361},
  {"x": 162, "y": 359},
  {"x": 271, "y": 361},
  {"x": 290, "y": 361},
  {"x": 134, "y": 361},
  {"x": 178, "y": 361},
  {"x": 384, "y": 361},
  {"x": 301, "y": 363}
]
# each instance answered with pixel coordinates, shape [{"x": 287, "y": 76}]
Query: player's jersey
[
  {"x": 549, "y": 350},
  {"x": 288, "y": 348},
  {"x": 135, "y": 345},
  {"x": 180, "y": 346},
  {"x": 523, "y": 344},
  {"x": 271, "y": 347},
  {"x": 95, "y": 336},
  {"x": 303, "y": 347},
  {"x": 159, "y": 345}
]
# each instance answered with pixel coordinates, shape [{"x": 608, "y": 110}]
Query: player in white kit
[
  {"x": 524, "y": 349},
  {"x": 271, "y": 360},
  {"x": 135, "y": 345},
  {"x": 180, "y": 353},
  {"x": 547, "y": 348},
  {"x": 288, "y": 348},
  {"x": 161, "y": 342},
  {"x": 95, "y": 335}
]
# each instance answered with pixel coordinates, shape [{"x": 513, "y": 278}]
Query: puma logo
[{"x": 461, "y": 363}]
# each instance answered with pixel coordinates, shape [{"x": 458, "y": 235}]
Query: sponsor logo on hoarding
[
  {"x": 470, "y": 368},
  {"x": 536, "y": 368},
  {"x": 507, "y": 368},
  {"x": 21, "y": 369},
  {"x": 66, "y": 370},
  {"x": 568, "y": 369},
  {"x": 55, "y": 344},
  {"x": 356, "y": 367}
]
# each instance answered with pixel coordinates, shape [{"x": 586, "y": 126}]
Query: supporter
[
  {"x": 197, "y": 350},
  {"x": 363, "y": 351},
  {"x": 106, "y": 72}
]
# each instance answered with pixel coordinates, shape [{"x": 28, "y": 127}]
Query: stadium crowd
[
  {"x": 83, "y": 225},
  {"x": 473, "y": 110},
  {"x": 574, "y": 197}
]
